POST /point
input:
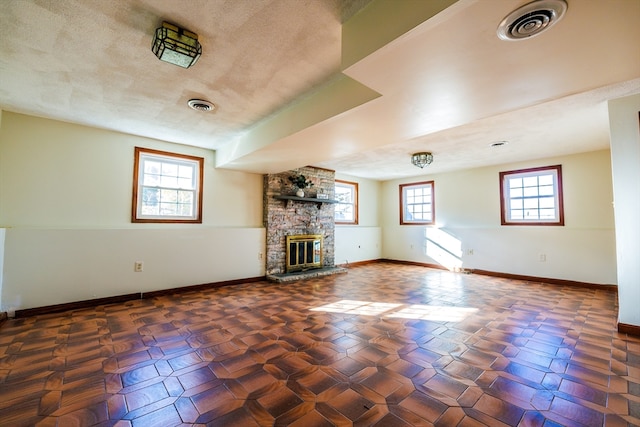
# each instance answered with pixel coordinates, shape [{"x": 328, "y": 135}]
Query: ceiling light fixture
[
  {"x": 421, "y": 159},
  {"x": 176, "y": 45},
  {"x": 531, "y": 19}
]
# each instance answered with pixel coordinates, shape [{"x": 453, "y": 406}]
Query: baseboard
[
  {"x": 76, "y": 305},
  {"x": 357, "y": 263},
  {"x": 202, "y": 287},
  {"x": 625, "y": 328},
  {"x": 419, "y": 264},
  {"x": 79, "y": 305},
  {"x": 552, "y": 281}
]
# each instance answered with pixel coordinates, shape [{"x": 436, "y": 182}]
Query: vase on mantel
[{"x": 300, "y": 192}]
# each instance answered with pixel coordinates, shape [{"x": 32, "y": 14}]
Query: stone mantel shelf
[{"x": 319, "y": 202}]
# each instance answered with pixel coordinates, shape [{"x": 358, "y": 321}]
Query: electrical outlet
[
  {"x": 259, "y": 255},
  {"x": 138, "y": 266},
  {"x": 542, "y": 257}
]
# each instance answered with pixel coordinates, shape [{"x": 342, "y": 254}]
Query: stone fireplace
[{"x": 288, "y": 218}]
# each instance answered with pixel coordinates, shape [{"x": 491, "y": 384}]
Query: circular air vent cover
[
  {"x": 531, "y": 19},
  {"x": 201, "y": 105}
]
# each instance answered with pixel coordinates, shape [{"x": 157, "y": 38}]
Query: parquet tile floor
[{"x": 382, "y": 345}]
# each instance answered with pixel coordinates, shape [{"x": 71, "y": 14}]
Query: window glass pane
[
  {"x": 167, "y": 195},
  {"x": 531, "y": 203},
  {"x": 185, "y": 209},
  {"x": 150, "y": 195},
  {"x": 546, "y": 190},
  {"x": 547, "y": 202},
  {"x": 530, "y": 191},
  {"x": 516, "y": 204},
  {"x": 167, "y": 209},
  {"x": 515, "y": 182},
  {"x": 517, "y": 214},
  {"x": 151, "y": 179},
  {"x": 185, "y": 197},
  {"x": 185, "y": 183},
  {"x": 185, "y": 171},
  {"x": 344, "y": 213},
  {"x": 547, "y": 213},
  {"x": 343, "y": 194},
  {"x": 531, "y": 213},
  {"x": 152, "y": 167},
  {"x": 530, "y": 181},
  {"x": 545, "y": 180},
  {"x": 169, "y": 169}
]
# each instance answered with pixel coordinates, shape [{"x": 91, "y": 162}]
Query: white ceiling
[{"x": 287, "y": 97}]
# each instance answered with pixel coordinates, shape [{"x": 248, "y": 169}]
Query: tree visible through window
[
  {"x": 532, "y": 196},
  {"x": 167, "y": 187},
  {"x": 417, "y": 203},
  {"x": 346, "y": 210}
]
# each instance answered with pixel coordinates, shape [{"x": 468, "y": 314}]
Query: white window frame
[
  {"x": 528, "y": 196},
  {"x": 189, "y": 184},
  {"x": 408, "y": 198},
  {"x": 346, "y": 204}
]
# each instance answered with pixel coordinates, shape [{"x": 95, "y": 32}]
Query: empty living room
[{"x": 320, "y": 213}]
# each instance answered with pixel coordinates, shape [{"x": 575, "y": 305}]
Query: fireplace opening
[{"x": 304, "y": 252}]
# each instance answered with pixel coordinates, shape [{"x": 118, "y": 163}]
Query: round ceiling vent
[
  {"x": 498, "y": 144},
  {"x": 531, "y": 19},
  {"x": 201, "y": 105}
]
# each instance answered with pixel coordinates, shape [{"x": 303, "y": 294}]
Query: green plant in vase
[{"x": 300, "y": 182}]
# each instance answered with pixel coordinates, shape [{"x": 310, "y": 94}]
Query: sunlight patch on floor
[
  {"x": 434, "y": 312},
  {"x": 403, "y": 311}
]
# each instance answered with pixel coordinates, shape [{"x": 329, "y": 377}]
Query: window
[
  {"x": 346, "y": 210},
  {"x": 532, "y": 196},
  {"x": 167, "y": 187},
  {"x": 417, "y": 203}
]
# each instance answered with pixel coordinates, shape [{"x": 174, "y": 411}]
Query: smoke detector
[
  {"x": 201, "y": 105},
  {"x": 531, "y": 19}
]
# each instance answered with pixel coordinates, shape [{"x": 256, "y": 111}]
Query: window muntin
[
  {"x": 167, "y": 187},
  {"x": 417, "y": 203},
  {"x": 532, "y": 196},
  {"x": 346, "y": 210}
]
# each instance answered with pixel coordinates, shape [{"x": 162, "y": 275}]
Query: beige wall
[
  {"x": 65, "y": 201},
  {"x": 625, "y": 155},
  {"x": 468, "y": 224},
  {"x": 56, "y": 174},
  {"x": 361, "y": 242}
]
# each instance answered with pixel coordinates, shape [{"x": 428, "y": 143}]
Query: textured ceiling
[{"x": 355, "y": 86}]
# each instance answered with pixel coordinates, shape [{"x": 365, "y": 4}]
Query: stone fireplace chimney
[{"x": 285, "y": 214}]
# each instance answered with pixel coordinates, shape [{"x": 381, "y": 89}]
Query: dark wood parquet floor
[{"x": 383, "y": 345}]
